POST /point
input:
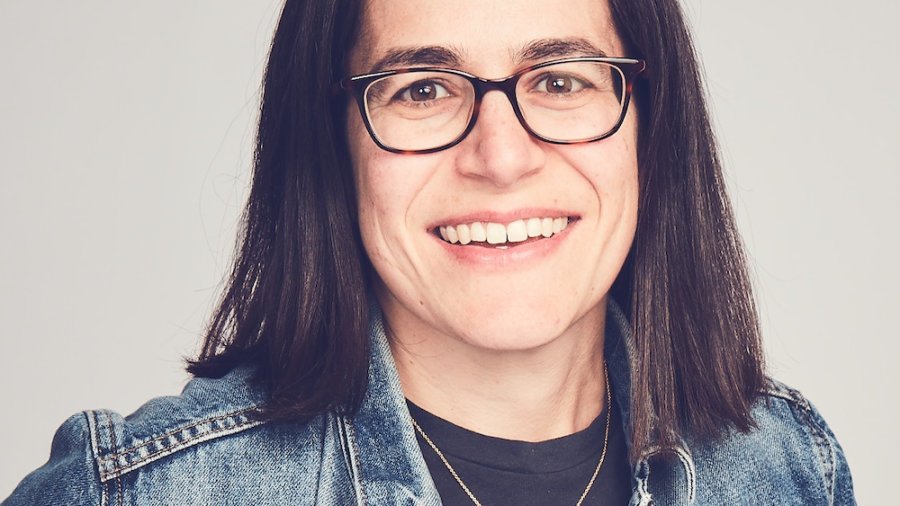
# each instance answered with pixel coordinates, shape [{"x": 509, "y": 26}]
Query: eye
[
  {"x": 559, "y": 84},
  {"x": 422, "y": 91}
]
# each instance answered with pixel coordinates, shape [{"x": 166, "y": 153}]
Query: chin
[{"x": 506, "y": 333}]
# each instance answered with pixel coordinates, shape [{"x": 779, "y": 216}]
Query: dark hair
[{"x": 297, "y": 300}]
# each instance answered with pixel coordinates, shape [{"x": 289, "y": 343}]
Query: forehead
[{"x": 488, "y": 37}]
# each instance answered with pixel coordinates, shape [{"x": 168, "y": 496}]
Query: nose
[{"x": 499, "y": 150}]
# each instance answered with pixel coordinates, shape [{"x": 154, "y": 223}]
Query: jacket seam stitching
[
  {"x": 93, "y": 419},
  {"x": 112, "y": 468},
  {"x": 824, "y": 448},
  {"x": 825, "y": 452},
  {"x": 687, "y": 464},
  {"x": 351, "y": 437},
  {"x": 346, "y": 450},
  {"x": 177, "y": 430},
  {"x": 115, "y": 444}
]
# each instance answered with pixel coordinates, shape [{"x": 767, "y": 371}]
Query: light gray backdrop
[{"x": 125, "y": 144}]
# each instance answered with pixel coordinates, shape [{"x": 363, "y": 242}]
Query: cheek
[
  {"x": 371, "y": 172},
  {"x": 357, "y": 143},
  {"x": 378, "y": 204},
  {"x": 609, "y": 172},
  {"x": 389, "y": 186},
  {"x": 370, "y": 197},
  {"x": 609, "y": 168}
]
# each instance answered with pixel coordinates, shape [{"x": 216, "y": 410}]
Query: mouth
[{"x": 503, "y": 235}]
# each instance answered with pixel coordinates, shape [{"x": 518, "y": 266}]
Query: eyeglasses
[{"x": 567, "y": 101}]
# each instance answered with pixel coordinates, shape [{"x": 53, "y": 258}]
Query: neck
[{"x": 530, "y": 395}]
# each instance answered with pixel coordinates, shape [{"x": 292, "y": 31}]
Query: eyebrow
[
  {"x": 543, "y": 49},
  {"x": 441, "y": 56},
  {"x": 418, "y": 56}
]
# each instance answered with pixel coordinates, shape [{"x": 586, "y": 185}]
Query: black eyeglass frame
[{"x": 358, "y": 85}]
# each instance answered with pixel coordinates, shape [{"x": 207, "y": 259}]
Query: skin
[{"x": 517, "y": 337}]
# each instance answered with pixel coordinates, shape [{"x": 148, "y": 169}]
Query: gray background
[{"x": 125, "y": 144}]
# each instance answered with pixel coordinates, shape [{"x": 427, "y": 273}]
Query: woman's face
[{"x": 512, "y": 296}]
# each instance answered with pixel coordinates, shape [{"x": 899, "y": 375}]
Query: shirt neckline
[{"x": 554, "y": 455}]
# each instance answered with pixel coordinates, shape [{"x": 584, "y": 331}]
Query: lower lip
[{"x": 516, "y": 254}]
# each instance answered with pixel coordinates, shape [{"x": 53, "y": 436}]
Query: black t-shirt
[{"x": 501, "y": 471}]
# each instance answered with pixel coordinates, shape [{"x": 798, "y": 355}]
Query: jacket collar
[
  {"x": 387, "y": 463},
  {"x": 621, "y": 356}
]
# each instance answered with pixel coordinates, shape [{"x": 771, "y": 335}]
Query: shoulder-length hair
[{"x": 296, "y": 301}]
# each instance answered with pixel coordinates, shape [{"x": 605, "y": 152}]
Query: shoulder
[
  {"x": 791, "y": 453},
  {"x": 207, "y": 410},
  {"x": 69, "y": 477},
  {"x": 213, "y": 433}
]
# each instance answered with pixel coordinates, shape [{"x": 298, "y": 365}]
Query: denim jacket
[{"x": 208, "y": 447}]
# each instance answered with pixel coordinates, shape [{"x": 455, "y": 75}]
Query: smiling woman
[
  {"x": 483, "y": 261},
  {"x": 507, "y": 306}
]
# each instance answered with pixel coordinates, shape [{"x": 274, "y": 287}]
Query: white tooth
[
  {"x": 565, "y": 222},
  {"x": 516, "y": 231},
  {"x": 496, "y": 233},
  {"x": 547, "y": 227},
  {"x": 557, "y": 226},
  {"x": 451, "y": 235},
  {"x": 534, "y": 227},
  {"x": 476, "y": 230},
  {"x": 444, "y": 233},
  {"x": 462, "y": 231}
]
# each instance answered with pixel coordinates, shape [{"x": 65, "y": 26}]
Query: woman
[{"x": 459, "y": 286}]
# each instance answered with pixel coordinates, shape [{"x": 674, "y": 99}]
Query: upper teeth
[{"x": 498, "y": 233}]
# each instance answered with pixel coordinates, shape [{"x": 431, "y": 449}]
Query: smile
[{"x": 489, "y": 234}]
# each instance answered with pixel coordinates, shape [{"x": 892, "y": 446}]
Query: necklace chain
[{"x": 587, "y": 489}]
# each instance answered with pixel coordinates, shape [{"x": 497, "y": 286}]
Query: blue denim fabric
[{"x": 207, "y": 447}]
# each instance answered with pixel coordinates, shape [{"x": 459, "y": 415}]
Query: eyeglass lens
[{"x": 566, "y": 102}]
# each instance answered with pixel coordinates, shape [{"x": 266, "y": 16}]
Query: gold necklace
[{"x": 593, "y": 476}]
